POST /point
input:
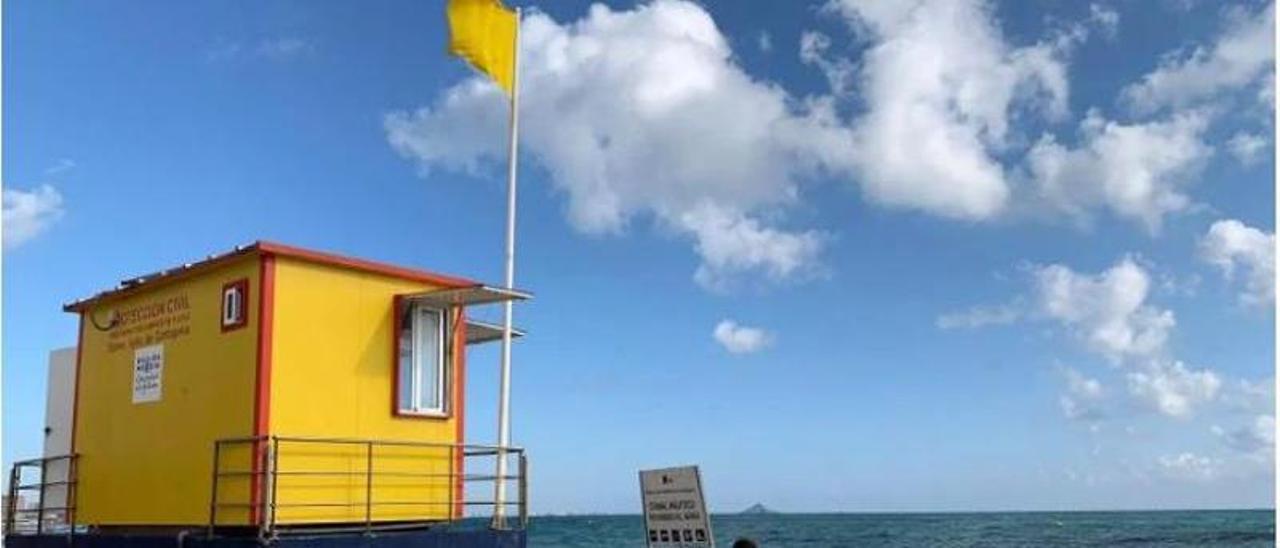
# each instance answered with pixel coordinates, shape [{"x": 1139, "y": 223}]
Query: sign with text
[
  {"x": 149, "y": 323},
  {"x": 148, "y": 370},
  {"x": 675, "y": 514}
]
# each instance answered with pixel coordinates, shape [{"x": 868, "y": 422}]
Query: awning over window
[
  {"x": 467, "y": 296},
  {"x": 477, "y": 331},
  {"x": 482, "y": 332}
]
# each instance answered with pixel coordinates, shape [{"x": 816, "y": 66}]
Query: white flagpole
[{"x": 504, "y": 379}]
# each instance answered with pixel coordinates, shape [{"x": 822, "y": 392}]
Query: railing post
[
  {"x": 15, "y": 476},
  {"x": 368, "y": 488},
  {"x": 275, "y": 478},
  {"x": 524, "y": 491},
  {"x": 213, "y": 493},
  {"x": 44, "y": 468},
  {"x": 454, "y": 476},
  {"x": 72, "y": 490},
  {"x": 263, "y": 450}
]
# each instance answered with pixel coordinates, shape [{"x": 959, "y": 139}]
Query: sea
[{"x": 1237, "y": 528}]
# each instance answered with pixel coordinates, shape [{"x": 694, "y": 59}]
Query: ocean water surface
[{"x": 1237, "y": 528}]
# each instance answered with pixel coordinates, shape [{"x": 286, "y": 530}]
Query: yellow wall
[
  {"x": 149, "y": 463},
  {"x": 332, "y": 375}
]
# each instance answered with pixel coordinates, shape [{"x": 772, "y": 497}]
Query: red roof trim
[
  {"x": 367, "y": 266},
  {"x": 272, "y": 248}
]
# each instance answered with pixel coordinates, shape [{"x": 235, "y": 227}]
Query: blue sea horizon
[{"x": 1131, "y": 528}]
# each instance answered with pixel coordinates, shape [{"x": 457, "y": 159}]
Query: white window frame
[
  {"x": 233, "y": 305},
  {"x": 230, "y": 305},
  {"x": 415, "y": 378}
]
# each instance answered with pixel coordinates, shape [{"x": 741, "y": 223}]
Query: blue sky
[{"x": 846, "y": 256}]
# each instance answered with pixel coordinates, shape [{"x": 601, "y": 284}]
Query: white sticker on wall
[{"x": 148, "y": 369}]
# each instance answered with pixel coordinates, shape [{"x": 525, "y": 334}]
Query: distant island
[{"x": 758, "y": 508}]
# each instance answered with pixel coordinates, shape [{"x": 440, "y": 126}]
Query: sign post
[{"x": 675, "y": 513}]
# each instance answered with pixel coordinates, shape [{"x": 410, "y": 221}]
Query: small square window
[{"x": 235, "y": 299}]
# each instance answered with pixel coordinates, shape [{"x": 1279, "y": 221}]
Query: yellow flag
[{"x": 484, "y": 33}]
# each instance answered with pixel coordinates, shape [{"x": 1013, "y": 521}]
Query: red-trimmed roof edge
[{"x": 134, "y": 285}]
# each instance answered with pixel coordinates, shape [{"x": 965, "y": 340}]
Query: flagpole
[{"x": 504, "y": 379}]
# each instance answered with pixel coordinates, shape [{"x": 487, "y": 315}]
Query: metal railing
[
  {"x": 55, "y": 496},
  {"x": 269, "y": 478}
]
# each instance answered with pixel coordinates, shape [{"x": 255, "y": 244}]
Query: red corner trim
[
  {"x": 459, "y": 399},
  {"x": 397, "y": 305},
  {"x": 262, "y": 391}
]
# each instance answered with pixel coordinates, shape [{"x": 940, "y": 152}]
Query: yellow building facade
[{"x": 298, "y": 387}]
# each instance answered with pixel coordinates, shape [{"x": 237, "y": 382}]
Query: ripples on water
[{"x": 1249, "y": 528}]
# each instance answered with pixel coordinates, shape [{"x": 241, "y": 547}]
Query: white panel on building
[{"x": 58, "y": 408}]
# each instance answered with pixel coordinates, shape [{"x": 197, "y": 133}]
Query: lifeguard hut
[{"x": 271, "y": 393}]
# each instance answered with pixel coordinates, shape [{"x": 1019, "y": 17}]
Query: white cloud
[
  {"x": 466, "y": 125},
  {"x": 981, "y": 316},
  {"x": 1083, "y": 396},
  {"x": 1172, "y": 389},
  {"x": 644, "y": 116},
  {"x": 935, "y": 119},
  {"x": 644, "y": 113},
  {"x": 1267, "y": 94},
  {"x": 1257, "y": 438},
  {"x": 223, "y": 51},
  {"x": 1106, "y": 17},
  {"x": 1242, "y": 54},
  {"x": 1247, "y": 147},
  {"x": 283, "y": 48},
  {"x": 1108, "y": 311},
  {"x": 1231, "y": 245},
  {"x": 27, "y": 213},
  {"x": 733, "y": 244},
  {"x": 63, "y": 165},
  {"x": 1191, "y": 467},
  {"x": 841, "y": 73},
  {"x": 1250, "y": 396},
  {"x": 765, "y": 41},
  {"x": 740, "y": 339},
  {"x": 1110, "y": 314},
  {"x": 274, "y": 49},
  {"x": 1136, "y": 171}
]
